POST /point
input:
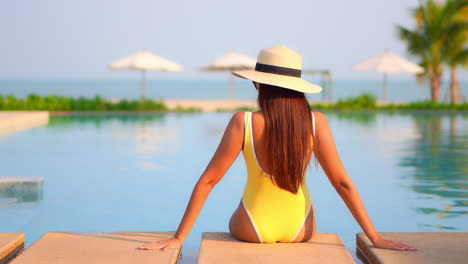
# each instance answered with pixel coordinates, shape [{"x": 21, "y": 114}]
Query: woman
[{"x": 277, "y": 143}]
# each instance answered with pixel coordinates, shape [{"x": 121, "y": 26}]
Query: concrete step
[
  {"x": 223, "y": 248},
  {"x": 21, "y": 189},
  {"x": 13, "y": 121},
  {"x": 433, "y": 247},
  {"x": 11, "y": 244},
  {"x": 97, "y": 247}
]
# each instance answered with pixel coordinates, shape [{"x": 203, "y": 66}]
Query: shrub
[{"x": 61, "y": 103}]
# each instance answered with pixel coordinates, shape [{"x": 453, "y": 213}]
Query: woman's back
[
  {"x": 276, "y": 214},
  {"x": 258, "y": 138}
]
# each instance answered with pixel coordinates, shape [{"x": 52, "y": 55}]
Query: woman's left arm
[
  {"x": 327, "y": 155},
  {"x": 227, "y": 152}
]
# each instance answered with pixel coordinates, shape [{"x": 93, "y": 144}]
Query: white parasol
[
  {"x": 388, "y": 62},
  {"x": 231, "y": 61},
  {"x": 145, "y": 61}
]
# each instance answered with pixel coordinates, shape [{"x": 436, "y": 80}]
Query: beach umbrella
[
  {"x": 386, "y": 63},
  {"x": 231, "y": 61},
  {"x": 144, "y": 61}
]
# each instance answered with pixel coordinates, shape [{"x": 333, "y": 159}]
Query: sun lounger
[
  {"x": 432, "y": 247},
  {"x": 91, "y": 247},
  {"x": 10, "y": 245},
  {"x": 223, "y": 248}
]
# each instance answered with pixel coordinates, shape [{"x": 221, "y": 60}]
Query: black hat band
[{"x": 278, "y": 70}]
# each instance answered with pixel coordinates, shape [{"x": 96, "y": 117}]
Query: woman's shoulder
[
  {"x": 320, "y": 119},
  {"x": 237, "y": 120},
  {"x": 322, "y": 126},
  {"x": 319, "y": 115},
  {"x": 239, "y": 116}
]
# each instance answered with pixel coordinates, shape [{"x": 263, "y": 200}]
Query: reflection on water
[
  {"x": 359, "y": 117},
  {"x": 99, "y": 118},
  {"x": 149, "y": 131},
  {"x": 20, "y": 189},
  {"x": 151, "y": 140},
  {"x": 439, "y": 161}
]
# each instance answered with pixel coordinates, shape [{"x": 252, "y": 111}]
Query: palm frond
[
  {"x": 461, "y": 58},
  {"x": 416, "y": 41}
]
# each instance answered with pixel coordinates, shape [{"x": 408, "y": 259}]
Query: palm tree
[
  {"x": 431, "y": 40},
  {"x": 456, "y": 48}
]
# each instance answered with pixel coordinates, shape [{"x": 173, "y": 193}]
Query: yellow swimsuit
[{"x": 277, "y": 215}]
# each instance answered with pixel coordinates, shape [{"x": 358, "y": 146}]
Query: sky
[{"x": 57, "y": 39}]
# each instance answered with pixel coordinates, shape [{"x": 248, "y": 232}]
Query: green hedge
[
  {"x": 365, "y": 101},
  {"x": 426, "y": 105},
  {"x": 62, "y": 103},
  {"x": 361, "y": 102},
  {"x": 368, "y": 101}
]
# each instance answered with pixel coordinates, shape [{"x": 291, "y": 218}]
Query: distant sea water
[{"x": 398, "y": 90}]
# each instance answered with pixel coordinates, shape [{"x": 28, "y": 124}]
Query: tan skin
[{"x": 240, "y": 226}]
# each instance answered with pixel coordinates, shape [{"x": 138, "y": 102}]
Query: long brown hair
[{"x": 288, "y": 135}]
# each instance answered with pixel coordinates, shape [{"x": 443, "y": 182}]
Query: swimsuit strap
[
  {"x": 313, "y": 124},
  {"x": 247, "y": 118}
]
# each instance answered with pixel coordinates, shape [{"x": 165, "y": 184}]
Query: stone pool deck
[
  {"x": 324, "y": 248},
  {"x": 210, "y": 105},
  {"x": 121, "y": 247},
  {"x": 213, "y": 105},
  {"x": 13, "y": 121},
  {"x": 11, "y": 244},
  {"x": 433, "y": 248},
  {"x": 97, "y": 247}
]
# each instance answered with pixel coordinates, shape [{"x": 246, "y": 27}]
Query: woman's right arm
[
  {"x": 329, "y": 159},
  {"x": 226, "y": 153}
]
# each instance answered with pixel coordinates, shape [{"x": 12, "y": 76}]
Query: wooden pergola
[{"x": 326, "y": 82}]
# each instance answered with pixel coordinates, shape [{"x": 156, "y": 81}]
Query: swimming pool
[{"x": 135, "y": 172}]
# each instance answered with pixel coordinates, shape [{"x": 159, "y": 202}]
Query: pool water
[{"x": 136, "y": 172}]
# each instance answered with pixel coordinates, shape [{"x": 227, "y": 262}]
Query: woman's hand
[
  {"x": 393, "y": 245},
  {"x": 162, "y": 245}
]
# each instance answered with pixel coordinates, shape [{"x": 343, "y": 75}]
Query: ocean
[{"x": 398, "y": 90}]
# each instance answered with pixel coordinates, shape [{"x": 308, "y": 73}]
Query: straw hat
[{"x": 279, "y": 66}]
